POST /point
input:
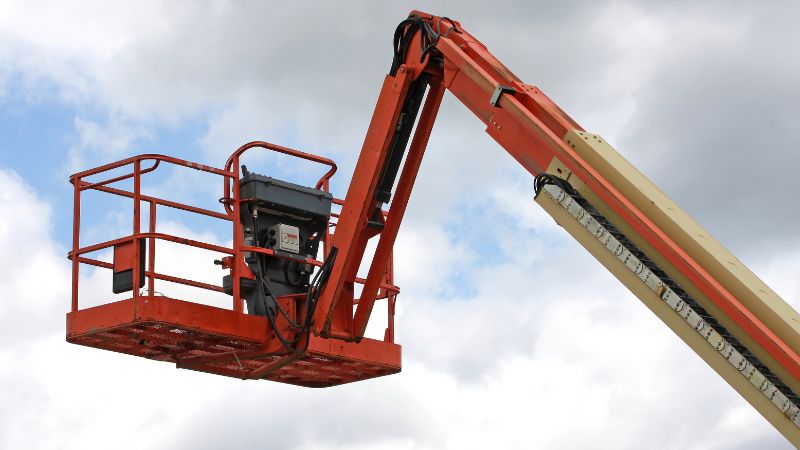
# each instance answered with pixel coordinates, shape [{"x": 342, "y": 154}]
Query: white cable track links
[{"x": 748, "y": 366}]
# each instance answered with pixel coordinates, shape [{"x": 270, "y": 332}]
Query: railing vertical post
[
  {"x": 326, "y": 247},
  {"x": 136, "y": 224},
  {"x": 76, "y": 233},
  {"x": 238, "y": 235},
  {"x": 390, "y": 302},
  {"x": 151, "y": 258},
  {"x": 391, "y": 297}
]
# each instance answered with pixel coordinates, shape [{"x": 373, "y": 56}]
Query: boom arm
[{"x": 725, "y": 313}]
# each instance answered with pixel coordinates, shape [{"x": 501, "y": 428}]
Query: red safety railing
[{"x": 152, "y": 203}]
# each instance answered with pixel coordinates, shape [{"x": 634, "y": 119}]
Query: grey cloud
[
  {"x": 313, "y": 75},
  {"x": 715, "y": 128}
]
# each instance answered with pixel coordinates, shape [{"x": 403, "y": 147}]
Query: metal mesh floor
[{"x": 323, "y": 365}]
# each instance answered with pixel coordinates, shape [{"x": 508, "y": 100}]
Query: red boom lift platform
[{"x": 200, "y": 337}]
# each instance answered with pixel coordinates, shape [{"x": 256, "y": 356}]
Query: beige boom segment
[
  {"x": 679, "y": 304},
  {"x": 698, "y": 243}
]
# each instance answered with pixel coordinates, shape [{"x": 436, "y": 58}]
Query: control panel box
[{"x": 287, "y": 237}]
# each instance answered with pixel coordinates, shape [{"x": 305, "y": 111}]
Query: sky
[{"x": 513, "y": 336}]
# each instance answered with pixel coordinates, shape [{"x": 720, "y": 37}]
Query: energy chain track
[{"x": 748, "y": 365}]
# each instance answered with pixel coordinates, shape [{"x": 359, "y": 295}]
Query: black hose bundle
[
  {"x": 404, "y": 33},
  {"x": 545, "y": 178},
  {"x": 272, "y": 307}
]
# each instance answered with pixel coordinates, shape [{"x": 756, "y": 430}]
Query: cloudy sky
[{"x": 514, "y": 337}]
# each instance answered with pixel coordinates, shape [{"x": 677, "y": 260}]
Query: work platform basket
[{"x": 201, "y": 337}]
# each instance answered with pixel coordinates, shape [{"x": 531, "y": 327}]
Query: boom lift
[{"x": 307, "y": 314}]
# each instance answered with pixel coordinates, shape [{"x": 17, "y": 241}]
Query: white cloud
[
  {"x": 72, "y": 396},
  {"x": 523, "y": 359},
  {"x": 106, "y": 142},
  {"x": 34, "y": 279}
]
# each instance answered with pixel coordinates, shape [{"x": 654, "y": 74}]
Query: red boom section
[
  {"x": 198, "y": 336},
  {"x": 525, "y": 122},
  {"x": 531, "y": 128}
]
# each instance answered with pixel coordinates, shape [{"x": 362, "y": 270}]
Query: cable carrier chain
[{"x": 299, "y": 309}]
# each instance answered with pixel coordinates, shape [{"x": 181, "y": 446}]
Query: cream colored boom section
[{"x": 720, "y": 263}]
